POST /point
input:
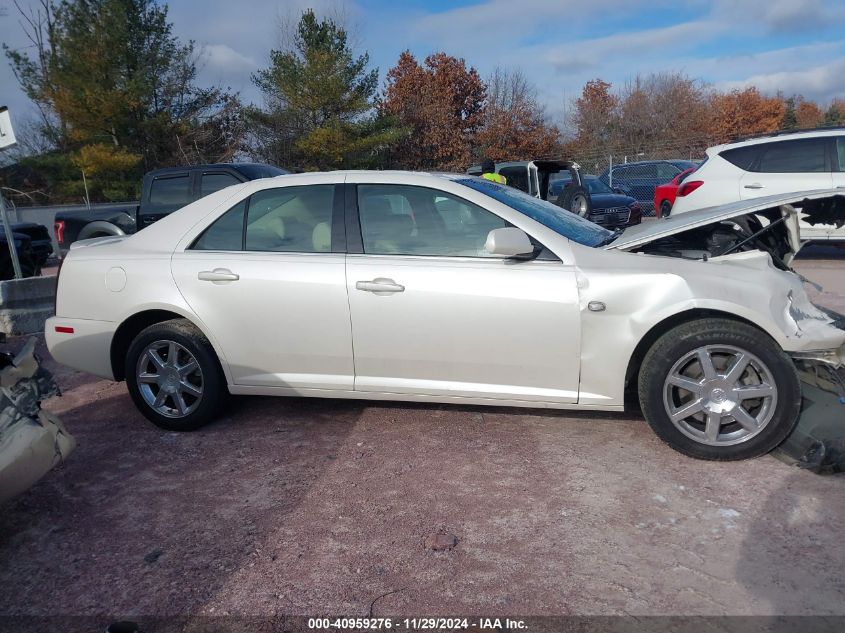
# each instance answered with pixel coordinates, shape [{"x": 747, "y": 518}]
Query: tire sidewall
[
  {"x": 196, "y": 343},
  {"x": 668, "y": 350}
]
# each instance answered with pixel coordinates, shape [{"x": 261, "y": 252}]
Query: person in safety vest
[{"x": 488, "y": 171}]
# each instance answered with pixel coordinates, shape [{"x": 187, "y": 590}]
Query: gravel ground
[{"x": 294, "y": 506}]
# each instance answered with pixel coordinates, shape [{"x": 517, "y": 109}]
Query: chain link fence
[{"x": 638, "y": 172}]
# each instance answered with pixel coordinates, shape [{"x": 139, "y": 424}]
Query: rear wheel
[
  {"x": 665, "y": 209},
  {"x": 173, "y": 376},
  {"x": 719, "y": 389}
]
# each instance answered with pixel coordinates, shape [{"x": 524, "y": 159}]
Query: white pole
[
  {"x": 7, "y": 139},
  {"x": 610, "y": 172}
]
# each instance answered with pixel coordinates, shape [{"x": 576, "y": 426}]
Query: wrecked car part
[
  {"x": 818, "y": 441},
  {"x": 32, "y": 440}
]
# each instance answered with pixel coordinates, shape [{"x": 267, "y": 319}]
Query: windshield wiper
[{"x": 616, "y": 233}]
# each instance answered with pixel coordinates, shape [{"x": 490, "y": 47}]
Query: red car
[{"x": 664, "y": 195}]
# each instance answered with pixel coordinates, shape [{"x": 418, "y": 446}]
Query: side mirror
[{"x": 508, "y": 242}]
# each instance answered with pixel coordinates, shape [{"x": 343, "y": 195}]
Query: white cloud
[
  {"x": 821, "y": 82},
  {"x": 225, "y": 60}
]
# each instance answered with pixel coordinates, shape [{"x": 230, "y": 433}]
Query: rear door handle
[
  {"x": 218, "y": 275},
  {"x": 755, "y": 185},
  {"x": 380, "y": 285}
]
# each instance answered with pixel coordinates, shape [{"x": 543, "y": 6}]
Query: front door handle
[
  {"x": 380, "y": 285},
  {"x": 755, "y": 185},
  {"x": 218, "y": 275}
]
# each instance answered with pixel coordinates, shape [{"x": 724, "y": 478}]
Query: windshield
[
  {"x": 596, "y": 186},
  {"x": 559, "y": 220}
]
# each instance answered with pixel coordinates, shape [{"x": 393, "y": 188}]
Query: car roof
[
  {"x": 247, "y": 169},
  {"x": 778, "y": 136}
]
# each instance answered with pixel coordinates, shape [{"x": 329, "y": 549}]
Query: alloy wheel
[
  {"x": 169, "y": 379},
  {"x": 720, "y": 395}
]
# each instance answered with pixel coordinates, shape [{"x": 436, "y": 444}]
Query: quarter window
[
  {"x": 403, "y": 220},
  {"x": 840, "y": 151},
  {"x": 742, "y": 157}
]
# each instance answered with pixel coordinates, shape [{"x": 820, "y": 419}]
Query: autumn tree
[
  {"x": 801, "y": 114},
  {"x": 809, "y": 115},
  {"x": 835, "y": 114},
  {"x": 117, "y": 94},
  {"x": 319, "y": 102},
  {"x": 594, "y": 117},
  {"x": 744, "y": 112},
  {"x": 441, "y": 103},
  {"x": 514, "y": 123}
]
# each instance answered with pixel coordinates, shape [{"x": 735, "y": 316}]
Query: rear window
[{"x": 840, "y": 152}]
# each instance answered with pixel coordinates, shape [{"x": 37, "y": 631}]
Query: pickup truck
[
  {"x": 33, "y": 245},
  {"x": 162, "y": 192}
]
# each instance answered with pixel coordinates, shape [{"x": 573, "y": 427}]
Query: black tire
[
  {"x": 573, "y": 194},
  {"x": 665, "y": 209},
  {"x": 209, "y": 377},
  {"x": 676, "y": 344}
]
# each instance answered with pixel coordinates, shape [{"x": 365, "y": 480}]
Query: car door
[
  {"x": 434, "y": 314},
  {"x": 267, "y": 279},
  {"x": 787, "y": 166}
]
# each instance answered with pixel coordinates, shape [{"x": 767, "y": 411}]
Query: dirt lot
[{"x": 314, "y": 507}]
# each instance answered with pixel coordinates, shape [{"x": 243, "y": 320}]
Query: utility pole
[{"x": 7, "y": 140}]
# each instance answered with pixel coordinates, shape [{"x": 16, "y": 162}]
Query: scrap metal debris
[
  {"x": 32, "y": 440},
  {"x": 818, "y": 441}
]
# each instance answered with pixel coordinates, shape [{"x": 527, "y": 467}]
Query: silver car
[{"x": 451, "y": 288}]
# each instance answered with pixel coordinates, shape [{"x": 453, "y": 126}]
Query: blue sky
[{"x": 793, "y": 46}]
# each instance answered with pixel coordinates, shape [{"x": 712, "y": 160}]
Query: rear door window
[
  {"x": 291, "y": 219},
  {"x": 793, "y": 157},
  {"x": 168, "y": 193},
  {"x": 215, "y": 182},
  {"x": 666, "y": 171},
  {"x": 282, "y": 220}
]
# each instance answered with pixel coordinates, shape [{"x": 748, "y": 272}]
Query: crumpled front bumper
[
  {"x": 32, "y": 440},
  {"x": 818, "y": 441}
]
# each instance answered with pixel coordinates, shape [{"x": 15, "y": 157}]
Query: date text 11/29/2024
[{"x": 417, "y": 624}]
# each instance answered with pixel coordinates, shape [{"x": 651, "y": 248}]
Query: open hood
[{"x": 769, "y": 223}]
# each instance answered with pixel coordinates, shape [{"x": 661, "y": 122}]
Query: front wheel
[
  {"x": 173, "y": 376},
  {"x": 665, "y": 209},
  {"x": 708, "y": 395}
]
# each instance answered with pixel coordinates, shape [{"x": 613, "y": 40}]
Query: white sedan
[{"x": 451, "y": 288}]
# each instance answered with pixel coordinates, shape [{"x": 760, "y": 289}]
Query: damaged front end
[
  {"x": 32, "y": 440},
  {"x": 818, "y": 441}
]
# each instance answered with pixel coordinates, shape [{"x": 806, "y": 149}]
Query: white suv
[{"x": 769, "y": 165}]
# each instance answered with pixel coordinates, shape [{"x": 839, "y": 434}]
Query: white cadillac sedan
[{"x": 450, "y": 288}]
